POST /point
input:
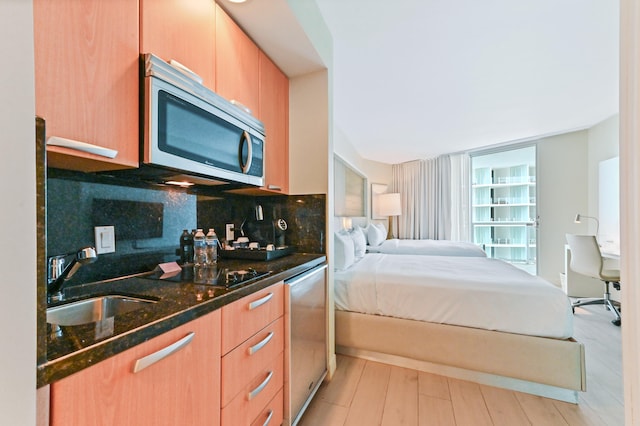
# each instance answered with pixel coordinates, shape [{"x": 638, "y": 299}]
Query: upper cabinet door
[
  {"x": 274, "y": 112},
  {"x": 87, "y": 66},
  {"x": 237, "y": 63},
  {"x": 182, "y": 30}
]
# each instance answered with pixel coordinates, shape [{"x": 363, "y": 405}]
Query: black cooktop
[{"x": 212, "y": 275}]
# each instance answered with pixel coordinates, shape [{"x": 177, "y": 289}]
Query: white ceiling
[{"x": 415, "y": 79}]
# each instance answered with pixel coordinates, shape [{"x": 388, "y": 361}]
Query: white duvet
[
  {"x": 468, "y": 291},
  {"x": 428, "y": 247}
]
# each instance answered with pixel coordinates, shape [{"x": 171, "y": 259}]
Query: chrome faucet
[{"x": 58, "y": 273}]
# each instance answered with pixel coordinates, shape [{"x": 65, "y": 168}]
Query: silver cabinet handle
[
  {"x": 260, "y": 387},
  {"x": 266, "y": 422},
  {"x": 151, "y": 359},
  {"x": 255, "y": 348},
  {"x": 274, "y": 187},
  {"x": 82, "y": 146},
  {"x": 260, "y": 302}
]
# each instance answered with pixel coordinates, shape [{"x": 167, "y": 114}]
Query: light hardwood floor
[{"x": 365, "y": 393}]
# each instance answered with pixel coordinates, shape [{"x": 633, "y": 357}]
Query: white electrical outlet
[
  {"x": 230, "y": 234},
  {"x": 105, "y": 239}
]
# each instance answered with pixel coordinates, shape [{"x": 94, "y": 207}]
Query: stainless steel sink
[{"x": 94, "y": 309}]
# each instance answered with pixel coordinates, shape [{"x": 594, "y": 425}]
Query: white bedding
[
  {"x": 428, "y": 247},
  {"x": 468, "y": 291}
]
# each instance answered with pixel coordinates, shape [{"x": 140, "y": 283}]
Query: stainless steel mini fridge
[{"x": 306, "y": 340}]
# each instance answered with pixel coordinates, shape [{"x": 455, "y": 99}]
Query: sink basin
[{"x": 94, "y": 309}]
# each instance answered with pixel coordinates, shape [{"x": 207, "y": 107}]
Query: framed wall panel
[{"x": 350, "y": 190}]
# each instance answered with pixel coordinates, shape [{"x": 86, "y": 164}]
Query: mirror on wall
[{"x": 350, "y": 190}]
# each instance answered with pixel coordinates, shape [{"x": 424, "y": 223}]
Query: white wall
[
  {"x": 567, "y": 184},
  {"x": 374, "y": 171},
  {"x": 18, "y": 217},
  {"x": 562, "y": 191},
  {"x": 311, "y": 137},
  {"x": 309, "y": 134},
  {"x": 604, "y": 143},
  {"x": 630, "y": 208}
]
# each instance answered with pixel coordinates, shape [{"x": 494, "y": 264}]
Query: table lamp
[{"x": 389, "y": 205}]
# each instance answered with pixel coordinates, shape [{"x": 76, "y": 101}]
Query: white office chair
[{"x": 586, "y": 259}]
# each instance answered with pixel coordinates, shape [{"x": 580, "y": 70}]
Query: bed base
[{"x": 551, "y": 368}]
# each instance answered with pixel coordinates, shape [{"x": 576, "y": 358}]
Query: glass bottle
[
  {"x": 186, "y": 247},
  {"x": 199, "y": 249}
]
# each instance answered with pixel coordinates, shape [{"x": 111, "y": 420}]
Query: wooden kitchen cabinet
[
  {"x": 237, "y": 64},
  {"x": 86, "y": 79},
  {"x": 256, "y": 396},
  {"x": 246, "y": 361},
  {"x": 183, "y": 30},
  {"x": 245, "y": 317},
  {"x": 181, "y": 389},
  {"x": 253, "y": 358},
  {"x": 274, "y": 113}
]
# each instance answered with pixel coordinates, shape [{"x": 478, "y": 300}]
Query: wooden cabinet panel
[
  {"x": 256, "y": 395},
  {"x": 246, "y": 361},
  {"x": 86, "y": 79},
  {"x": 237, "y": 63},
  {"x": 273, "y": 413},
  {"x": 245, "y": 317},
  {"x": 183, "y": 30},
  {"x": 183, "y": 388},
  {"x": 274, "y": 113}
]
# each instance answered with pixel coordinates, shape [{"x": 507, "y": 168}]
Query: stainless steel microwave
[{"x": 192, "y": 130}]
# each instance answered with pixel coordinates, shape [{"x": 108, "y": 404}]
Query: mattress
[
  {"x": 474, "y": 292},
  {"x": 428, "y": 247}
]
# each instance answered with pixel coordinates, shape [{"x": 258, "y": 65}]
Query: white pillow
[
  {"x": 344, "y": 251},
  {"x": 359, "y": 243},
  {"x": 377, "y": 234},
  {"x": 365, "y": 232}
]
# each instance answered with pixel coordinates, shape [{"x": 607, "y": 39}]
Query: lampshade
[{"x": 389, "y": 204}]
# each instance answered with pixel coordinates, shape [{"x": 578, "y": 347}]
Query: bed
[
  {"x": 473, "y": 318},
  {"x": 375, "y": 239}
]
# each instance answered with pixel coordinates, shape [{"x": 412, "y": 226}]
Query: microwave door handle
[{"x": 245, "y": 138}]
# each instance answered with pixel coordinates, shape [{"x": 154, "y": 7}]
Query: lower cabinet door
[
  {"x": 180, "y": 387},
  {"x": 256, "y": 395}
]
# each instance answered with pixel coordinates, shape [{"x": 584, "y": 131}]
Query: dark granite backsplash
[
  {"x": 77, "y": 202},
  {"x": 305, "y": 217}
]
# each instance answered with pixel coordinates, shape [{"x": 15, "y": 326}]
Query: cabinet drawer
[
  {"x": 273, "y": 413},
  {"x": 245, "y": 317},
  {"x": 250, "y": 402},
  {"x": 248, "y": 359}
]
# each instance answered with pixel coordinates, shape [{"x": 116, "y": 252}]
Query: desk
[{"x": 577, "y": 285}]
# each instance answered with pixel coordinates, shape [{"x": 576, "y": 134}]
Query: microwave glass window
[{"x": 189, "y": 131}]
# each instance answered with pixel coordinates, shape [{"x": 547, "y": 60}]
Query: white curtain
[
  {"x": 460, "y": 197},
  {"x": 435, "y": 198}
]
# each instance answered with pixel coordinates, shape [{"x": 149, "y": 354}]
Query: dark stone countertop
[{"x": 78, "y": 347}]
